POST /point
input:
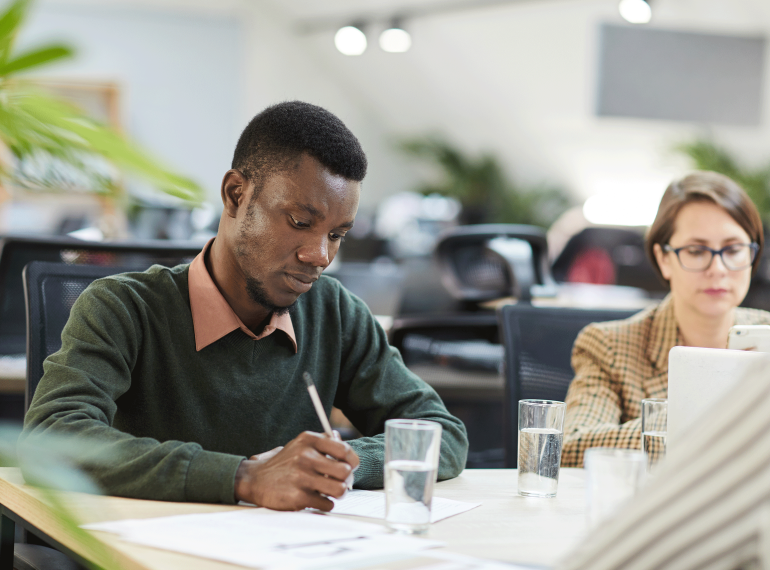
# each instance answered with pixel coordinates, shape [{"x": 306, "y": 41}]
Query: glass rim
[
  {"x": 655, "y": 400},
  {"x": 400, "y": 423},
  {"x": 544, "y": 403}
]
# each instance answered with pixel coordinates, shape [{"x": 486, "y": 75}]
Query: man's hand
[{"x": 296, "y": 476}]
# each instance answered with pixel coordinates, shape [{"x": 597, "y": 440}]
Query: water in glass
[
  {"x": 539, "y": 459},
  {"x": 409, "y": 489}
]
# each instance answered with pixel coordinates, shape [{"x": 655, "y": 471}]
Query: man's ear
[
  {"x": 663, "y": 261},
  {"x": 233, "y": 191}
]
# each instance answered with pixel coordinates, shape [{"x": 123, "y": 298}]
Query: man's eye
[
  {"x": 299, "y": 224},
  {"x": 336, "y": 237}
]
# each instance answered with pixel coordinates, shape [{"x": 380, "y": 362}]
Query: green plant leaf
[
  {"x": 35, "y": 58},
  {"x": 32, "y": 122},
  {"x": 10, "y": 21},
  {"x": 707, "y": 155},
  {"x": 483, "y": 187}
]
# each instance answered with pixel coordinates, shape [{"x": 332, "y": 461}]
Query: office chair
[
  {"x": 457, "y": 349},
  {"x": 50, "y": 290},
  {"x": 621, "y": 248},
  {"x": 489, "y": 261},
  {"x": 538, "y": 348},
  {"x": 18, "y": 251}
]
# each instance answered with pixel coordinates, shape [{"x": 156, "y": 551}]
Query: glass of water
[
  {"x": 541, "y": 430},
  {"x": 654, "y": 429},
  {"x": 613, "y": 476},
  {"x": 411, "y": 468}
]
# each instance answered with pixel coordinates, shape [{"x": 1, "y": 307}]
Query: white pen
[{"x": 319, "y": 409}]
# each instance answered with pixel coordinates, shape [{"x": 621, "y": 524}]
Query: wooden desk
[{"x": 505, "y": 527}]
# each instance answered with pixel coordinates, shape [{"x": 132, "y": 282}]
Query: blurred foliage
[
  {"x": 48, "y": 463},
  {"x": 51, "y": 140},
  {"x": 706, "y": 155},
  {"x": 483, "y": 188}
]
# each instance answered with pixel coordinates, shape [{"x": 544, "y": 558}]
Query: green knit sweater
[{"x": 176, "y": 423}]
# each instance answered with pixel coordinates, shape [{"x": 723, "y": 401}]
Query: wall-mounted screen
[{"x": 682, "y": 76}]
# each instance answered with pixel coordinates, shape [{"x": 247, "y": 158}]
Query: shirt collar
[{"x": 213, "y": 318}]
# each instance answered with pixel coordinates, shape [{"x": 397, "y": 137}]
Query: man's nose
[{"x": 315, "y": 252}]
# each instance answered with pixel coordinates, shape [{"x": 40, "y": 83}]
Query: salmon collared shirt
[{"x": 213, "y": 317}]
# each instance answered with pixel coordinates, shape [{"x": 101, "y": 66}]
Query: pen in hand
[{"x": 319, "y": 409}]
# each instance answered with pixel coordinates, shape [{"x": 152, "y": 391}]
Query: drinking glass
[
  {"x": 654, "y": 422},
  {"x": 612, "y": 477},
  {"x": 541, "y": 431},
  {"x": 411, "y": 468}
]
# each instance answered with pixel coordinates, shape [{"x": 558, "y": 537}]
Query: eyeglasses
[{"x": 699, "y": 257}]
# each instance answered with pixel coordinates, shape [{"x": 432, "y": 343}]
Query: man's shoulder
[{"x": 156, "y": 283}]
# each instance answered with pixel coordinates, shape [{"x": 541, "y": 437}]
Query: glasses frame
[{"x": 753, "y": 246}]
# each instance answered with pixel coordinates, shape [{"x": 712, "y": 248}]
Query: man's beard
[{"x": 257, "y": 293}]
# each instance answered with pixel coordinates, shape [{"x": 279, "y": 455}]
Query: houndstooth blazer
[{"x": 617, "y": 364}]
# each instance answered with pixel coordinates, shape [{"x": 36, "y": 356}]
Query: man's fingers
[
  {"x": 338, "y": 470},
  {"x": 328, "y": 486},
  {"x": 316, "y": 501},
  {"x": 339, "y": 450}
]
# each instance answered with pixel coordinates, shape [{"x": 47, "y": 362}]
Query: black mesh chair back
[
  {"x": 50, "y": 290},
  {"x": 18, "y": 251},
  {"x": 538, "y": 348}
]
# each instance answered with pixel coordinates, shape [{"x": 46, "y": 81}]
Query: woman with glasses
[{"x": 705, "y": 243}]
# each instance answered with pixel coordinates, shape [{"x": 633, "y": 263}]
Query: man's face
[{"x": 291, "y": 231}]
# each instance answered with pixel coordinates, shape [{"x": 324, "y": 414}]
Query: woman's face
[{"x": 716, "y": 290}]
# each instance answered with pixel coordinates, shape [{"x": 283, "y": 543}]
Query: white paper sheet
[
  {"x": 432, "y": 560},
  {"x": 265, "y": 539},
  {"x": 372, "y": 504}
]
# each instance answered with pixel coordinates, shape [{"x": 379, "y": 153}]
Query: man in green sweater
[{"x": 189, "y": 379}]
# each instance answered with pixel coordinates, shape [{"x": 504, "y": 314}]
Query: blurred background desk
[{"x": 505, "y": 527}]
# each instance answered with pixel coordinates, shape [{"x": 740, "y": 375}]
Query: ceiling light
[
  {"x": 350, "y": 40},
  {"x": 621, "y": 210},
  {"x": 395, "y": 39},
  {"x": 635, "y": 11}
]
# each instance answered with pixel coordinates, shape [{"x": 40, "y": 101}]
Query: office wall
[
  {"x": 192, "y": 74},
  {"x": 518, "y": 80},
  {"x": 178, "y": 74}
]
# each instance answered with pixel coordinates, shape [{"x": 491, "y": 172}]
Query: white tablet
[{"x": 698, "y": 379}]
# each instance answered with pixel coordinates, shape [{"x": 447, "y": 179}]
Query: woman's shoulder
[
  {"x": 744, "y": 316},
  {"x": 637, "y": 324}
]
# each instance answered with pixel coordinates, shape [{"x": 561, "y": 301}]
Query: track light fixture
[
  {"x": 351, "y": 40},
  {"x": 395, "y": 39},
  {"x": 635, "y": 11}
]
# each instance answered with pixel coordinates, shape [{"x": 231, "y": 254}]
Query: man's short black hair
[{"x": 281, "y": 133}]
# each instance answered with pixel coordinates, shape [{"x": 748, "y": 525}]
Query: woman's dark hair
[{"x": 703, "y": 186}]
